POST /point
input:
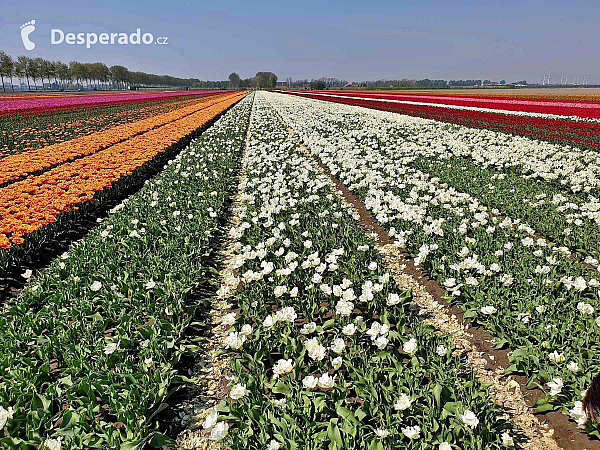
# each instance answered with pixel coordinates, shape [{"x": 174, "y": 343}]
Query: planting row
[
  {"x": 565, "y": 218},
  {"x": 25, "y": 132},
  {"x": 35, "y": 104},
  {"x": 545, "y": 108},
  {"x": 30, "y": 205},
  {"x": 577, "y": 169},
  {"x": 559, "y": 131},
  {"x": 529, "y": 293},
  {"x": 326, "y": 350},
  {"x": 88, "y": 348},
  {"x": 17, "y": 167},
  {"x": 488, "y": 170}
]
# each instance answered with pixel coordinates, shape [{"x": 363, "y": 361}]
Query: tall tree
[
  {"x": 261, "y": 80},
  {"x": 52, "y": 68},
  {"x": 272, "y": 80},
  {"x": 234, "y": 80},
  {"x": 63, "y": 72},
  {"x": 119, "y": 75},
  {"x": 35, "y": 66},
  {"x": 86, "y": 73},
  {"x": 77, "y": 71},
  {"x": 102, "y": 72},
  {"x": 22, "y": 68},
  {"x": 46, "y": 69},
  {"x": 7, "y": 68},
  {"x": 266, "y": 80}
]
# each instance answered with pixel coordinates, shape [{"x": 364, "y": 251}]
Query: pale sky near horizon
[{"x": 352, "y": 40}]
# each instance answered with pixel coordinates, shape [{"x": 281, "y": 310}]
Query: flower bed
[
  {"x": 42, "y": 103},
  {"x": 88, "y": 348},
  {"x": 559, "y": 129},
  {"x": 326, "y": 351},
  {"x": 17, "y": 167},
  {"x": 527, "y": 291},
  {"x": 26, "y": 132},
  {"x": 31, "y": 204},
  {"x": 540, "y": 106}
]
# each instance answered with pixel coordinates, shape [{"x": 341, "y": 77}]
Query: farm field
[
  {"x": 298, "y": 270},
  {"x": 30, "y": 130},
  {"x": 87, "y": 342},
  {"x": 59, "y": 179},
  {"x": 573, "y": 93},
  {"x": 42, "y": 102},
  {"x": 494, "y": 218},
  {"x": 563, "y": 121}
]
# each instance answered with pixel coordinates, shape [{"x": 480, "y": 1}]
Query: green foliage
[
  {"x": 291, "y": 216},
  {"x": 91, "y": 342},
  {"x": 266, "y": 80}
]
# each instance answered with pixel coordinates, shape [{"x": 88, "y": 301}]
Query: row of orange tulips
[
  {"x": 29, "y": 205},
  {"x": 17, "y": 167},
  {"x": 25, "y": 133}
]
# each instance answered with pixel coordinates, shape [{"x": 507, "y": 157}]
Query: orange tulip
[
  {"x": 16, "y": 167},
  {"x": 28, "y": 205}
]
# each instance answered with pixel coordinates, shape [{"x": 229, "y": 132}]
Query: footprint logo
[{"x": 26, "y": 30}]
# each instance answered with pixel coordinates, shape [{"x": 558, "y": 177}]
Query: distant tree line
[
  {"x": 268, "y": 80},
  {"x": 327, "y": 83},
  {"x": 320, "y": 83},
  {"x": 431, "y": 83},
  {"x": 385, "y": 83},
  {"x": 211, "y": 84},
  {"x": 60, "y": 75}
]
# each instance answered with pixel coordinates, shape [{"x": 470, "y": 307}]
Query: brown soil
[{"x": 566, "y": 433}]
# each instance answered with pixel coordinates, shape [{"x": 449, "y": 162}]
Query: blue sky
[{"x": 353, "y": 40}]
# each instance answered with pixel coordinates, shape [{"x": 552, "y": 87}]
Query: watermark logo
[
  {"x": 58, "y": 36},
  {"x": 26, "y": 30}
]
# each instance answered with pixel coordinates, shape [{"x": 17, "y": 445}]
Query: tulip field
[
  {"x": 254, "y": 234},
  {"x": 48, "y": 186},
  {"x": 88, "y": 346},
  {"x": 574, "y": 122},
  {"x": 29, "y": 130}
]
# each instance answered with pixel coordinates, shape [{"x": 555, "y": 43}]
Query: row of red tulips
[
  {"x": 581, "y": 134},
  {"x": 542, "y": 105}
]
